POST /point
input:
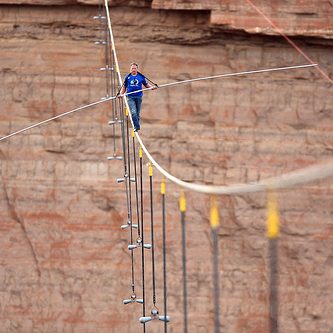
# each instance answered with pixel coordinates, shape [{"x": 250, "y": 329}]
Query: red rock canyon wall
[{"x": 64, "y": 266}]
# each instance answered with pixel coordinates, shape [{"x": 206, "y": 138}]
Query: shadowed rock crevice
[{"x": 14, "y": 215}]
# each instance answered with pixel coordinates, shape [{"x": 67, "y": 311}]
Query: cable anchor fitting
[
  {"x": 115, "y": 121},
  {"x": 129, "y": 224},
  {"x": 100, "y": 42},
  {"x": 139, "y": 244},
  {"x": 99, "y": 17},
  {"x": 106, "y": 68},
  {"x": 121, "y": 180},
  {"x": 114, "y": 157},
  {"x": 154, "y": 316},
  {"x": 133, "y": 299}
]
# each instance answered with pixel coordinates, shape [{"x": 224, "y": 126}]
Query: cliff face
[
  {"x": 64, "y": 266},
  {"x": 298, "y": 17}
]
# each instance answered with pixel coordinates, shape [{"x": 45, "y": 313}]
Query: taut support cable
[
  {"x": 130, "y": 217},
  {"x": 109, "y": 69},
  {"x": 136, "y": 186},
  {"x": 273, "y": 234},
  {"x": 214, "y": 223},
  {"x": 160, "y": 86},
  {"x": 139, "y": 241},
  {"x": 152, "y": 231},
  {"x": 126, "y": 178},
  {"x": 301, "y": 176},
  {"x": 164, "y": 255},
  {"x": 154, "y": 311},
  {"x": 182, "y": 206},
  {"x": 291, "y": 42},
  {"x": 142, "y": 237}
]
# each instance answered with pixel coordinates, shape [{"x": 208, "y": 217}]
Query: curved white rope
[
  {"x": 316, "y": 172},
  {"x": 298, "y": 177}
]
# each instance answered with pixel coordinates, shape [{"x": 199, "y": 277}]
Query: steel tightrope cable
[
  {"x": 211, "y": 77},
  {"x": 295, "y": 178},
  {"x": 287, "y": 180},
  {"x": 110, "y": 89}
]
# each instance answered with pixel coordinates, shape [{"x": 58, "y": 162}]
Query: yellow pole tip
[
  {"x": 272, "y": 216},
  {"x": 214, "y": 218},
  {"x": 182, "y": 202},
  {"x": 162, "y": 187},
  {"x": 214, "y": 214}
]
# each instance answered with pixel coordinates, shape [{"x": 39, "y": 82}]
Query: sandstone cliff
[{"x": 64, "y": 266}]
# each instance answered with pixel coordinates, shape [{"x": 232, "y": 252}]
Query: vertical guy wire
[
  {"x": 214, "y": 223},
  {"x": 182, "y": 206},
  {"x": 106, "y": 55},
  {"x": 110, "y": 83},
  {"x": 110, "y": 68},
  {"x": 273, "y": 234},
  {"x": 136, "y": 186},
  {"x": 113, "y": 83},
  {"x": 130, "y": 201},
  {"x": 142, "y": 247},
  {"x": 123, "y": 140},
  {"x": 152, "y": 231},
  {"x": 164, "y": 255}
]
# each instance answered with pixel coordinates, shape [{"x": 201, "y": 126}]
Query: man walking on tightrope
[{"x": 133, "y": 82}]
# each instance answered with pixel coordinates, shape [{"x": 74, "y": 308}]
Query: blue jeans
[{"x": 134, "y": 104}]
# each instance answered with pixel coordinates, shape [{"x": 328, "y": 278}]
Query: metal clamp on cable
[
  {"x": 121, "y": 180},
  {"x": 99, "y": 17},
  {"x": 139, "y": 244},
  {"x": 115, "y": 121},
  {"x": 100, "y": 42},
  {"x": 114, "y": 157},
  {"x": 133, "y": 299},
  {"x": 106, "y": 68},
  {"x": 129, "y": 224},
  {"x": 154, "y": 316}
]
